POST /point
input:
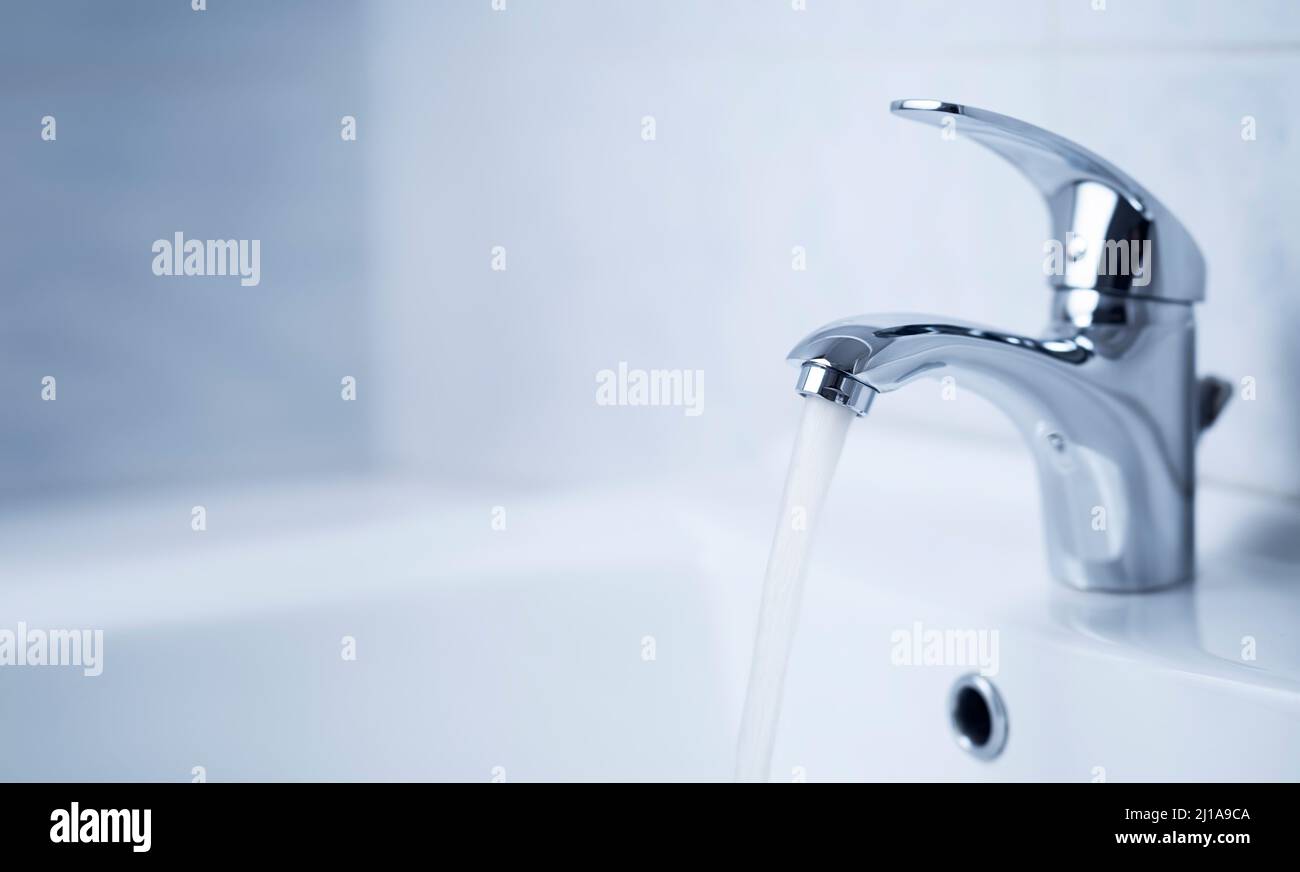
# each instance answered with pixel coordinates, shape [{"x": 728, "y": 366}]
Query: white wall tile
[{"x": 1153, "y": 27}]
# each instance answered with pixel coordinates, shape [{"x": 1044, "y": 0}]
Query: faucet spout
[
  {"x": 1106, "y": 403},
  {"x": 885, "y": 352}
]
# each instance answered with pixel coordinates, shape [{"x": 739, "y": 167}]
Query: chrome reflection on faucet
[{"x": 1108, "y": 399}]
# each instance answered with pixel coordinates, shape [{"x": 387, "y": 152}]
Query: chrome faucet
[{"x": 1108, "y": 399}]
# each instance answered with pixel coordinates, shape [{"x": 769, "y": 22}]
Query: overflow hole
[{"x": 978, "y": 716}]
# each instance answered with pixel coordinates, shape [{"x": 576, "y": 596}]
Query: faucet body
[{"x": 1107, "y": 399}]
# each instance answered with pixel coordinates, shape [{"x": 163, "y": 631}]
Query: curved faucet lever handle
[{"x": 1109, "y": 233}]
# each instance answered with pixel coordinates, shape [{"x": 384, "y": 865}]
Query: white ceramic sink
[{"x": 523, "y": 654}]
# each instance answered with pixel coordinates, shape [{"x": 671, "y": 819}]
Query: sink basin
[{"x": 605, "y": 634}]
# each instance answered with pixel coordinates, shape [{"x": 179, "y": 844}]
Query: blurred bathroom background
[
  {"x": 516, "y": 134},
  {"x": 522, "y": 128}
]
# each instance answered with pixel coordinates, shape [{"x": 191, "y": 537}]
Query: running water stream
[{"x": 812, "y": 465}]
